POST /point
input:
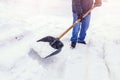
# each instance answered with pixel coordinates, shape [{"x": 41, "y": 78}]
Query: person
[{"x": 79, "y": 7}]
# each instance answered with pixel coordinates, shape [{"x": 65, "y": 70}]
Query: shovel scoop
[{"x": 54, "y": 43}]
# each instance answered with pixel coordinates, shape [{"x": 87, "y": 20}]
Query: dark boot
[
  {"x": 82, "y": 42},
  {"x": 73, "y": 44}
]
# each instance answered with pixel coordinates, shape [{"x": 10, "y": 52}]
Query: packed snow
[{"x": 23, "y": 22}]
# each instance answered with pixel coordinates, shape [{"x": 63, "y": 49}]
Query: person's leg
[
  {"x": 76, "y": 29},
  {"x": 84, "y": 27}
]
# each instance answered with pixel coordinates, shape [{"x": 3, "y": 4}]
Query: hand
[
  {"x": 97, "y": 3},
  {"x": 80, "y": 16}
]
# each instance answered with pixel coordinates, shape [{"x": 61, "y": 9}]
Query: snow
[{"x": 23, "y": 22}]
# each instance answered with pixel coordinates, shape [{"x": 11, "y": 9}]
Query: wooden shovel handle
[{"x": 76, "y": 22}]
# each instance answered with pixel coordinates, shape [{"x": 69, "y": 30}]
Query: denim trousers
[{"x": 80, "y": 29}]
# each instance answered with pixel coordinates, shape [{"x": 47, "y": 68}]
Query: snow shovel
[{"x": 55, "y": 42}]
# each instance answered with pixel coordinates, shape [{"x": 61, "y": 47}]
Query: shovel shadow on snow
[
  {"x": 52, "y": 64},
  {"x": 45, "y": 62}
]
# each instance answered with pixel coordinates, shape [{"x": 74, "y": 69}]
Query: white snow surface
[{"x": 23, "y": 22}]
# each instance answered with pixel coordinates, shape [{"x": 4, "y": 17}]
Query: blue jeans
[{"x": 79, "y": 30}]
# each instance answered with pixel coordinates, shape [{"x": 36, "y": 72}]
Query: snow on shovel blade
[
  {"x": 44, "y": 50},
  {"x": 48, "y": 46}
]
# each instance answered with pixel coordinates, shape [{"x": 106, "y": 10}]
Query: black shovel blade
[
  {"x": 54, "y": 42},
  {"x": 54, "y": 53}
]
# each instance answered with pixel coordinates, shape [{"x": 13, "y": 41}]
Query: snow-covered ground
[{"x": 22, "y": 22}]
